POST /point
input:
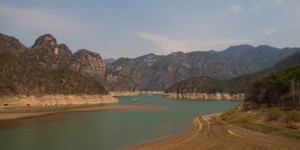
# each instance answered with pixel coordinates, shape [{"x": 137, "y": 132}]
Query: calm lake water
[{"x": 105, "y": 130}]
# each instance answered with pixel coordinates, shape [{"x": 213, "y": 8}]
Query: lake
[{"x": 105, "y": 130}]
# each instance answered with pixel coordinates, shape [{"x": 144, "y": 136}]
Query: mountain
[
  {"x": 241, "y": 84},
  {"x": 11, "y": 45},
  {"x": 46, "y": 53},
  {"x": 290, "y": 61},
  {"x": 148, "y": 72},
  {"x": 18, "y": 77},
  {"x": 47, "y": 57},
  {"x": 154, "y": 72},
  {"x": 109, "y": 60},
  {"x": 203, "y": 84}
]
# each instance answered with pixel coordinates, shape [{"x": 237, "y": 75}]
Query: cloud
[
  {"x": 268, "y": 31},
  {"x": 164, "y": 44},
  {"x": 167, "y": 45},
  {"x": 37, "y": 19},
  {"x": 235, "y": 8}
]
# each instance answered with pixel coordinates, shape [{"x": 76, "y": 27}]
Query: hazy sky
[{"x": 131, "y": 28}]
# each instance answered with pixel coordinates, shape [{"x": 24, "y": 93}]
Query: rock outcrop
[{"x": 47, "y": 54}]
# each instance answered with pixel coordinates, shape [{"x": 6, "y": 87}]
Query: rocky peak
[
  {"x": 47, "y": 54},
  {"x": 88, "y": 63},
  {"x": 147, "y": 60},
  {"x": 11, "y": 45},
  {"x": 45, "y": 40}
]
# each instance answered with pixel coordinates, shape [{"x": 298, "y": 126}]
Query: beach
[{"x": 211, "y": 133}]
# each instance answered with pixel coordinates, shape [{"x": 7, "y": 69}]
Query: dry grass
[{"x": 273, "y": 121}]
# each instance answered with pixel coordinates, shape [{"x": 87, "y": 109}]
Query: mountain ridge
[{"x": 157, "y": 72}]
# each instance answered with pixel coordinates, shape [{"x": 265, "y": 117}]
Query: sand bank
[
  {"x": 17, "y": 113},
  {"x": 211, "y": 133}
]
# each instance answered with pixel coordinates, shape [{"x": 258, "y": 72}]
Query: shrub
[
  {"x": 274, "y": 115},
  {"x": 293, "y": 115}
]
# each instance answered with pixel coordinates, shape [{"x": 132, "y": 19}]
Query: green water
[{"x": 104, "y": 130}]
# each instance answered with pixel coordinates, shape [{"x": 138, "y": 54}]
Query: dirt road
[{"x": 210, "y": 133}]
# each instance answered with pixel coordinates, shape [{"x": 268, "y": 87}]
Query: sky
[{"x": 131, "y": 28}]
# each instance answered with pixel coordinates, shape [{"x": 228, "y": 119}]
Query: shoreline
[
  {"x": 33, "y": 112},
  {"x": 54, "y": 100},
  {"x": 206, "y": 96},
  {"x": 211, "y": 133}
]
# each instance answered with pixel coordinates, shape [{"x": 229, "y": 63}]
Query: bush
[
  {"x": 293, "y": 115},
  {"x": 274, "y": 115}
]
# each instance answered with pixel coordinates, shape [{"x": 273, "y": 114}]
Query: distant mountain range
[
  {"x": 241, "y": 84},
  {"x": 157, "y": 72},
  {"x": 148, "y": 72}
]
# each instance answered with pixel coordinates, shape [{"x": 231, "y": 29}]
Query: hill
[{"x": 279, "y": 89}]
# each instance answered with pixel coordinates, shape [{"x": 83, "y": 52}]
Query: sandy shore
[
  {"x": 211, "y": 133},
  {"x": 33, "y": 112}
]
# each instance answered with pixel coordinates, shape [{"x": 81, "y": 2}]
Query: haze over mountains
[
  {"x": 148, "y": 72},
  {"x": 155, "y": 72},
  {"x": 240, "y": 84}
]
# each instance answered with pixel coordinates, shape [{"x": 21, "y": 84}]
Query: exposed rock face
[
  {"x": 207, "y": 96},
  {"x": 89, "y": 64},
  {"x": 11, "y": 45},
  {"x": 55, "y": 100},
  {"x": 48, "y": 54}
]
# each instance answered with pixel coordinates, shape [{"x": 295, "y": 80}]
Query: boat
[{"x": 134, "y": 100}]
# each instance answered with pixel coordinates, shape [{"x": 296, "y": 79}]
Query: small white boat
[{"x": 135, "y": 100}]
